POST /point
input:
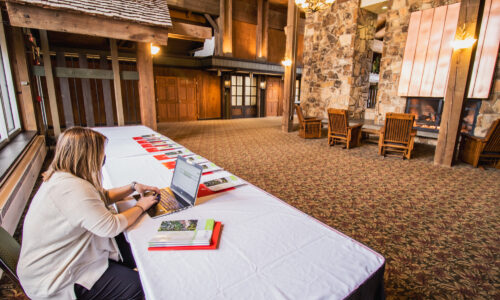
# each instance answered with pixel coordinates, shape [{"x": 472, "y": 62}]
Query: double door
[
  {"x": 176, "y": 98},
  {"x": 243, "y": 97}
]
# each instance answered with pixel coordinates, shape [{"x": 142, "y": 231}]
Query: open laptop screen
[{"x": 186, "y": 179}]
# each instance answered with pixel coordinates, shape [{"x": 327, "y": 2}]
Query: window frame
[{"x": 8, "y": 94}]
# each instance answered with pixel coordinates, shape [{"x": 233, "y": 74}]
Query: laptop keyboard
[{"x": 168, "y": 201}]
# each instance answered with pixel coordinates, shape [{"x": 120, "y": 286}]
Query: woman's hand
[
  {"x": 146, "y": 202},
  {"x": 141, "y": 188}
]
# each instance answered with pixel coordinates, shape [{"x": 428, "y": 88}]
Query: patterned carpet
[{"x": 438, "y": 228}]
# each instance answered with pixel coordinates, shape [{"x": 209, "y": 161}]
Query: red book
[
  {"x": 214, "y": 243},
  {"x": 138, "y": 138}
]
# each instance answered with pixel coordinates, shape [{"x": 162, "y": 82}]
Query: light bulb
[
  {"x": 154, "y": 49},
  {"x": 463, "y": 44}
]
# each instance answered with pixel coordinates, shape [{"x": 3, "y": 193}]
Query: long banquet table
[{"x": 268, "y": 249}]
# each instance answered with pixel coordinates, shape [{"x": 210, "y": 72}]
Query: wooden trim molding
[{"x": 16, "y": 189}]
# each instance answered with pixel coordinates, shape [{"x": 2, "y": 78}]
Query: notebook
[{"x": 182, "y": 191}]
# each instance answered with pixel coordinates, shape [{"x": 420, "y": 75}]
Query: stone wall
[
  {"x": 396, "y": 31},
  {"x": 337, "y": 59}
]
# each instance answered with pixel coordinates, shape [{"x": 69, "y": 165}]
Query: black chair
[{"x": 9, "y": 255}]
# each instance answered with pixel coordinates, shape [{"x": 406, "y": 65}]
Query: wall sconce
[
  {"x": 154, "y": 49},
  {"x": 463, "y": 44},
  {"x": 286, "y": 62},
  {"x": 262, "y": 85},
  {"x": 464, "y": 40},
  {"x": 227, "y": 84}
]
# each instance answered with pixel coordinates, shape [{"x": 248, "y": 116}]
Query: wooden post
[
  {"x": 226, "y": 26},
  {"x": 87, "y": 95},
  {"x": 290, "y": 71},
  {"x": 146, "y": 85},
  {"x": 456, "y": 88},
  {"x": 49, "y": 77},
  {"x": 65, "y": 93},
  {"x": 116, "y": 82},
  {"x": 262, "y": 28},
  {"x": 26, "y": 95},
  {"x": 106, "y": 91}
]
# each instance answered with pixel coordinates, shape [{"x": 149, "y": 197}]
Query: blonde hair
[{"x": 80, "y": 151}]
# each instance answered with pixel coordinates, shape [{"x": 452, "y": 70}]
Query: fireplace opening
[{"x": 427, "y": 112}]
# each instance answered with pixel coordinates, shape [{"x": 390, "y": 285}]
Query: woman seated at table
[{"x": 68, "y": 248}]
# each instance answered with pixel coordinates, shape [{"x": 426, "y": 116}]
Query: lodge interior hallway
[{"x": 437, "y": 227}]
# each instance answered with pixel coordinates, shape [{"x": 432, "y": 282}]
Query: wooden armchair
[
  {"x": 397, "y": 135},
  {"x": 339, "y": 130},
  {"x": 473, "y": 149},
  {"x": 309, "y": 127}
]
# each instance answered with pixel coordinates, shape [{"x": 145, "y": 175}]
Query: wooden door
[
  {"x": 176, "y": 98},
  {"x": 243, "y": 97},
  {"x": 274, "y": 99},
  {"x": 209, "y": 106},
  {"x": 186, "y": 88},
  {"x": 167, "y": 102}
]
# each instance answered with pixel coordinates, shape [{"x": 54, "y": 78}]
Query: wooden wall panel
[
  {"x": 424, "y": 33},
  {"x": 487, "y": 51},
  {"x": 208, "y": 93},
  {"x": 433, "y": 51},
  {"x": 244, "y": 40},
  {"x": 245, "y": 11},
  {"x": 443, "y": 66},
  {"x": 409, "y": 54},
  {"x": 277, "y": 40}
]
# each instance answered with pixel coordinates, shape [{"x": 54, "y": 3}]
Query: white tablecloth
[{"x": 268, "y": 249}]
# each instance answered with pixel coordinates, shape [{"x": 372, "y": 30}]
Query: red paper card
[
  {"x": 214, "y": 243},
  {"x": 204, "y": 191}
]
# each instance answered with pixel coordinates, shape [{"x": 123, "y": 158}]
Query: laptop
[{"x": 182, "y": 191}]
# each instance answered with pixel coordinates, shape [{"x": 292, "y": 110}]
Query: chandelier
[{"x": 313, "y": 5}]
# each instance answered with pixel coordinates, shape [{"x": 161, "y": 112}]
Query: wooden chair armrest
[
  {"x": 312, "y": 120},
  {"x": 469, "y": 136},
  {"x": 382, "y": 129},
  {"x": 355, "y": 126}
]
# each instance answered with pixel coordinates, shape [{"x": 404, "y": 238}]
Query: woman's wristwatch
[{"x": 132, "y": 185}]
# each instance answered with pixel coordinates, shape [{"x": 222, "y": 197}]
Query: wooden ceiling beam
[
  {"x": 204, "y": 7},
  {"x": 64, "y": 21},
  {"x": 190, "y": 32}
]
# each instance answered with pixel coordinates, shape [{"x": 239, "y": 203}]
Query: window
[
  {"x": 297, "y": 91},
  {"x": 243, "y": 91},
  {"x": 9, "y": 117}
]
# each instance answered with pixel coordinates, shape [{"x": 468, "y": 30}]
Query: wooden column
[
  {"x": 290, "y": 71},
  {"x": 262, "y": 28},
  {"x": 456, "y": 88},
  {"x": 49, "y": 77},
  {"x": 146, "y": 85},
  {"x": 106, "y": 91},
  {"x": 86, "y": 91},
  {"x": 226, "y": 26},
  {"x": 65, "y": 93},
  {"x": 26, "y": 96},
  {"x": 116, "y": 82}
]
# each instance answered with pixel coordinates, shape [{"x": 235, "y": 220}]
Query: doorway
[
  {"x": 176, "y": 98},
  {"x": 274, "y": 97},
  {"x": 243, "y": 96}
]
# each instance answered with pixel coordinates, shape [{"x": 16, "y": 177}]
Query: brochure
[{"x": 183, "y": 233}]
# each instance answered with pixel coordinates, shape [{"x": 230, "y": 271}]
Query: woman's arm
[
  {"x": 143, "y": 204},
  {"x": 117, "y": 194}
]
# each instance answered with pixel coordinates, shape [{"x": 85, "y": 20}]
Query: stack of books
[{"x": 186, "y": 235}]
